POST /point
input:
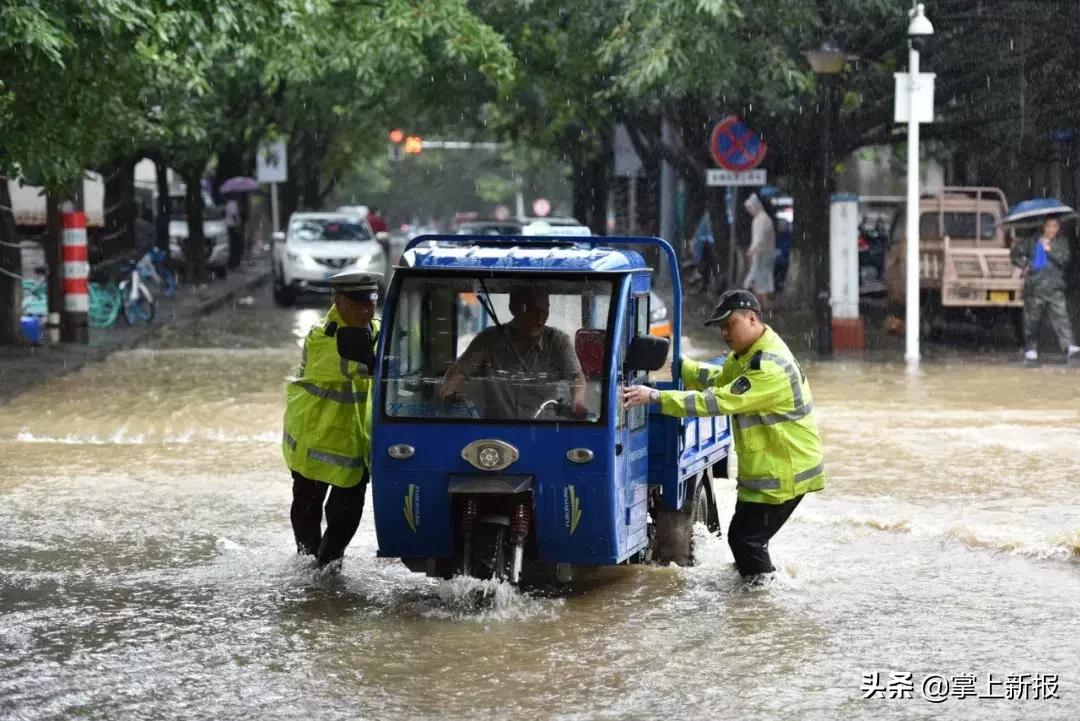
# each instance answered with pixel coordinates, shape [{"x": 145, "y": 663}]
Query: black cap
[{"x": 731, "y": 301}]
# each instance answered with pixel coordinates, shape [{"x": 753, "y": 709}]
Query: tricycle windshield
[{"x": 511, "y": 348}]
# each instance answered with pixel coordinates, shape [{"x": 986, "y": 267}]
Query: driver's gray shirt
[{"x": 510, "y": 391}]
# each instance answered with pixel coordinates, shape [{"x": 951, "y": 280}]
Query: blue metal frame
[{"x": 591, "y": 241}]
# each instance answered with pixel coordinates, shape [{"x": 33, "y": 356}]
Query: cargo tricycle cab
[{"x": 500, "y": 446}]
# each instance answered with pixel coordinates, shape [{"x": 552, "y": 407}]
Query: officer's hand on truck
[{"x": 639, "y": 396}]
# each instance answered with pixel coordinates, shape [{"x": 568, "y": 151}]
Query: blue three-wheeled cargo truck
[{"x": 500, "y": 447}]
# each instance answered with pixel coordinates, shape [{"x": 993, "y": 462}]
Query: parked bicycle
[
  {"x": 139, "y": 304},
  {"x": 106, "y": 302},
  {"x": 35, "y": 294},
  {"x": 153, "y": 266}
]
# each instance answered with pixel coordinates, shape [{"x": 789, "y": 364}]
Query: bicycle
[
  {"x": 153, "y": 266},
  {"x": 139, "y": 304},
  {"x": 106, "y": 301},
  {"x": 35, "y": 295}
]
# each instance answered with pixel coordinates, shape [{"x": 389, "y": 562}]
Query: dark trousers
[
  {"x": 752, "y": 526},
  {"x": 343, "y": 512},
  {"x": 1052, "y": 302},
  {"x": 236, "y": 246}
]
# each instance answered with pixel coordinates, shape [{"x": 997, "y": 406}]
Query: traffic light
[
  {"x": 414, "y": 144},
  {"x": 397, "y": 135}
]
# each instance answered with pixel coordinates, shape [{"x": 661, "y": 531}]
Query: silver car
[{"x": 317, "y": 246}]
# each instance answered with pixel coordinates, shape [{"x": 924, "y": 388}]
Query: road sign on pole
[
  {"x": 541, "y": 206},
  {"x": 271, "y": 166},
  {"x": 735, "y": 147},
  {"x": 271, "y": 163},
  {"x": 716, "y": 177}
]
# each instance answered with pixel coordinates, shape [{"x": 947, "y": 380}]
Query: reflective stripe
[
  {"x": 344, "y": 366},
  {"x": 289, "y": 440},
  {"x": 334, "y": 459},
  {"x": 689, "y": 405},
  {"x": 770, "y": 419},
  {"x": 342, "y": 396},
  {"x": 792, "y": 374},
  {"x": 760, "y": 484},
  {"x": 810, "y": 473},
  {"x": 710, "y": 402},
  {"x": 703, "y": 375}
]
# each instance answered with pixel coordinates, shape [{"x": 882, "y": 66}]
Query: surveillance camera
[{"x": 920, "y": 25}]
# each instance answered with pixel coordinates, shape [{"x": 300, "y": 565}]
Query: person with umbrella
[
  {"x": 1043, "y": 257},
  {"x": 232, "y": 189}
]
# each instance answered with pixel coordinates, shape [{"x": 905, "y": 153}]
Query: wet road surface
[{"x": 147, "y": 567}]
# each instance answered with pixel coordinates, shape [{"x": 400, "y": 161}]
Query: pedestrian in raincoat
[
  {"x": 763, "y": 389},
  {"x": 762, "y": 251},
  {"x": 1044, "y": 257},
  {"x": 327, "y": 438}
]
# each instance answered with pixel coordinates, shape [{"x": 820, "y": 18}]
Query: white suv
[{"x": 317, "y": 246}]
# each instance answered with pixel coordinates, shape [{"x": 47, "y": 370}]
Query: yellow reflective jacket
[
  {"x": 768, "y": 397},
  {"x": 327, "y": 414}
]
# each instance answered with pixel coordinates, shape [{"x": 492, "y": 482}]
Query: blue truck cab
[{"x": 504, "y": 477}]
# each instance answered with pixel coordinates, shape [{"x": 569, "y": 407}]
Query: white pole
[
  {"x": 274, "y": 207},
  {"x": 911, "y": 351}
]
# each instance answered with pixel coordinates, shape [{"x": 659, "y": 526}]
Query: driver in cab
[{"x": 521, "y": 363}]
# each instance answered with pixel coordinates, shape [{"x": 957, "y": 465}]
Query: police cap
[
  {"x": 357, "y": 285},
  {"x": 731, "y": 301}
]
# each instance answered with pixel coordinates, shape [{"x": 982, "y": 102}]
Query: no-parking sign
[{"x": 735, "y": 147}]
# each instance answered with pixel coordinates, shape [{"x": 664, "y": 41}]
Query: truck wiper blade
[{"x": 489, "y": 308}]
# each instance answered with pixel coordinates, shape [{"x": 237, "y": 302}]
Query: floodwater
[{"x": 147, "y": 567}]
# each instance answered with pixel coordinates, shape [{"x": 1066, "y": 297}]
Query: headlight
[
  {"x": 489, "y": 457},
  {"x": 489, "y": 454},
  {"x": 301, "y": 259}
]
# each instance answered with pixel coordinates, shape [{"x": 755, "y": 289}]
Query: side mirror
[
  {"x": 647, "y": 353},
  {"x": 278, "y": 236},
  {"x": 355, "y": 344}
]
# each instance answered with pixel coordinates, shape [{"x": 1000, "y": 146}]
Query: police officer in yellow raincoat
[
  {"x": 327, "y": 438},
  {"x": 766, "y": 393}
]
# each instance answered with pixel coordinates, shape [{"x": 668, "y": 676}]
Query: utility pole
[{"x": 918, "y": 30}]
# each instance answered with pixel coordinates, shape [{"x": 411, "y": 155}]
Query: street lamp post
[
  {"x": 919, "y": 29},
  {"x": 826, "y": 61}
]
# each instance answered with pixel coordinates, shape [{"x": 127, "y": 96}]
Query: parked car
[
  {"x": 553, "y": 226},
  {"x": 215, "y": 232},
  {"x": 489, "y": 227},
  {"x": 317, "y": 246},
  {"x": 360, "y": 211}
]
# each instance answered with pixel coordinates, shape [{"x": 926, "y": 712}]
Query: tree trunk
[
  {"x": 164, "y": 203},
  {"x": 195, "y": 245},
  {"x": 119, "y": 233},
  {"x": 579, "y": 186},
  {"x": 10, "y": 270},
  {"x": 600, "y": 168},
  {"x": 716, "y": 207},
  {"x": 231, "y": 162}
]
